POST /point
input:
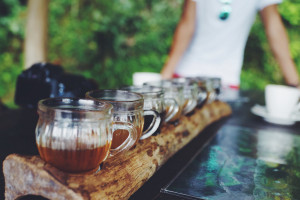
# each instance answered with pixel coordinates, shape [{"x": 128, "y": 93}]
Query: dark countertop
[{"x": 247, "y": 158}]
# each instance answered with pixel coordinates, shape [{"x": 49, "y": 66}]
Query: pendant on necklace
[{"x": 225, "y": 10}]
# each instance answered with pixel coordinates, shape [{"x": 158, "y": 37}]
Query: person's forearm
[
  {"x": 280, "y": 48},
  {"x": 279, "y": 44},
  {"x": 181, "y": 39}
]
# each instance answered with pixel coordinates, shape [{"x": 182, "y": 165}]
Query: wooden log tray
[{"x": 120, "y": 176}]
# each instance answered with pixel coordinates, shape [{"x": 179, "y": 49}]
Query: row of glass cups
[{"x": 77, "y": 135}]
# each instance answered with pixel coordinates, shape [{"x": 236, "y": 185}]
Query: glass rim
[
  {"x": 145, "y": 89},
  {"x": 139, "y": 97},
  {"x": 186, "y": 81},
  {"x": 164, "y": 84},
  {"x": 97, "y": 106}
]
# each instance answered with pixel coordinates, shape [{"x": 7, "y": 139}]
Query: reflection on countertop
[{"x": 243, "y": 163}]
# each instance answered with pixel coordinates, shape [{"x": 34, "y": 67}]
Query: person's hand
[
  {"x": 294, "y": 85},
  {"x": 166, "y": 72}
]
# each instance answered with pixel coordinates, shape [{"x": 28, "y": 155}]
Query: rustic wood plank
[{"x": 120, "y": 176}]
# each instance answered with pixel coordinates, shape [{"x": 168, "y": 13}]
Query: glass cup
[
  {"x": 203, "y": 93},
  {"x": 213, "y": 86},
  {"x": 128, "y": 107},
  {"x": 75, "y": 135},
  {"x": 154, "y": 100},
  {"x": 217, "y": 85},
  {"x": 207, "y": 92},
  {"x": 190, "y": 93},
  {"x": 173, "y": 100}
]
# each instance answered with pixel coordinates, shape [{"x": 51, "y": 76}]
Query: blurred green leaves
[
  {"x": 12, "y": 15},
  {"x": 110, "y": 40}
]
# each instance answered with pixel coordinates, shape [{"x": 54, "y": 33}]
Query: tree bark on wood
[
  {"x": 120, "y": 176},
  {"x": 36, "y": 36}
]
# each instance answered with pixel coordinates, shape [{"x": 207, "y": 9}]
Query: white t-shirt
[{"x": 217, "y": 48}]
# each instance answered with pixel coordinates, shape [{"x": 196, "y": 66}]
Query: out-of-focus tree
[
  {"x": 109, "y": 40},
  {"x": 12, "y": 23}
]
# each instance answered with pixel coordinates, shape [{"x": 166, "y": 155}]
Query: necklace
[{"x": 226, "y": 9}]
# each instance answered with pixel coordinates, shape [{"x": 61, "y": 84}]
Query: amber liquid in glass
[
  {"x": 120, "y": 135},
  {"x": 75, "y": 161},
  {"x": 176, "y": 116},
  {"x": 186, "y": 102}
]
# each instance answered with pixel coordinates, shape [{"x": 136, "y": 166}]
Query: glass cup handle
[
  {"x": 212, "y": 96},
  {"x": 154, "y": 124},
  {"x": 192, "y": 103},
  {"x": 130, "y": 140},
  {"x": 173, "y": 108},
  {"x": 202, "y": 96}
]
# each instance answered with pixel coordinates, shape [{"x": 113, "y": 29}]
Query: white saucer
[{"x": 262, "y": 112}]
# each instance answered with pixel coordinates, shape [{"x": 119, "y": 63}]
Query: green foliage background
[{"x": 109, "y": 40}]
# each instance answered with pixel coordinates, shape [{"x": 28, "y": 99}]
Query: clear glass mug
[
  {"x": 75, "y": 135},
  {"x": 208, "y": 92},
  {"x": 128, "y": 107},
  {"x": 190, "y": 93},
  {"x": 212, "y": 85},
  {"x": 203, "y": 90},
  {"x": 153, "y": 100},
  {"x": 217, "y": 85},
  {"x": 173, "y": 98}
]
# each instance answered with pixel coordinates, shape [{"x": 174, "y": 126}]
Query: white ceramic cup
[
  {"x": 139, "y": 78},
  {"x": 281, "y": 101}
]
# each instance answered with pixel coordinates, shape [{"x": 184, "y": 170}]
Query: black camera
[{"x": 45, "y": 80}]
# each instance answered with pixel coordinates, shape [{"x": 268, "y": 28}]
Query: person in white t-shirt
[{"x": 211, "y": 35}]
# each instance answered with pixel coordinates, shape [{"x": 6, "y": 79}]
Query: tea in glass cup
[
  {"x": 128, "y": 107},
  {"x": 75, "y": 135},
  {"x": 213, "y": 85},
  {"x": 153, "y": 100},
  {"x": 190, "y": 93},
  {"x": 217, "y": 85},
  {"x": 173, "y": 98}
]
